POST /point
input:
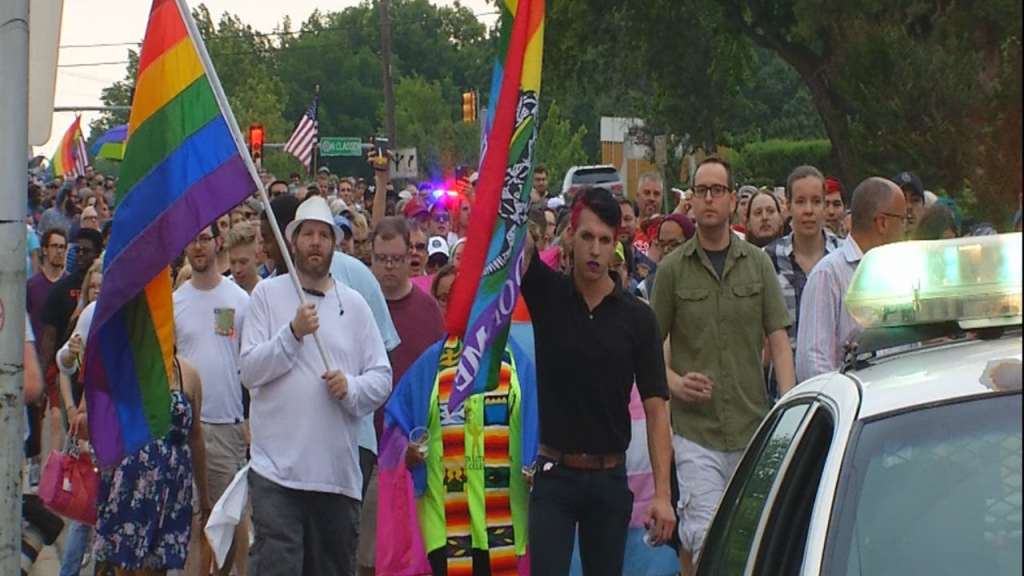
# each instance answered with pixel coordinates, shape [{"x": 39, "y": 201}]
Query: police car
[{"x": 900, "y": 464}]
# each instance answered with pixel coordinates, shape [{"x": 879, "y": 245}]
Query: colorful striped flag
[
  {"x": 70, "y": 159},
  {"x": 111, "y": 144},
  {"x": 491, "y": 266},
  {"x": 184, "y": 165},
  {"x": 302, "y": 141}
]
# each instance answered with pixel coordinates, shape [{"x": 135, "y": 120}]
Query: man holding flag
[{"x": 593, "y": 341}]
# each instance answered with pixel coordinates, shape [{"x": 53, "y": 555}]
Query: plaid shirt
[{"x": 791, "y": 276}]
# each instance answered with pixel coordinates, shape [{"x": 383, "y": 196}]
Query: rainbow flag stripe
[
  {"x": 63, "y": 163},
  {"x": 184, "y": 166},
  {"x": 485, "y": 295},
  {"x": 111, "y": 144}
]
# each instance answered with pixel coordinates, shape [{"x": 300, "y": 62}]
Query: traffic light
[
  {"x": 469, "y": 107},
  {"x": 256, "y": 143}
]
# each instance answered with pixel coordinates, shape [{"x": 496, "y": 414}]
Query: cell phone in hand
[{"x": 380, "y": 146}]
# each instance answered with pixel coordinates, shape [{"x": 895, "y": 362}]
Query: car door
[{"x": 732, "y": 539}]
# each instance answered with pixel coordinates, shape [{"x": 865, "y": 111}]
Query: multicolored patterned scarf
[{"x": 461, "y": 433}]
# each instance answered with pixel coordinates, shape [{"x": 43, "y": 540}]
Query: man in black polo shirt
[{"x": 593, "y": 341}]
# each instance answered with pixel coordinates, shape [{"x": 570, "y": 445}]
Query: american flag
[
  {"x": 305, "y": 136},
  {"x": 81, "y": 156}
]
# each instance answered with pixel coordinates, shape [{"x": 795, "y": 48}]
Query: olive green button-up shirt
[{"x": 717, "y": 328}]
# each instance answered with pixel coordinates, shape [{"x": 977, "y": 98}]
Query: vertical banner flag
[
  {"x": 70, "y": 159},
  {"x": 184, "y": 165},
  {"x": 492, "y": 265}
]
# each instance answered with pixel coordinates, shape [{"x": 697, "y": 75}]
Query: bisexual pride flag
[
  {"x": 487, "y": 288},
  {"x": 184, "y": 165}
]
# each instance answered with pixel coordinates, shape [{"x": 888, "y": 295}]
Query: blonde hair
[
  {"x": 241, "y": 234},
  {"x": 96, "y": 268},
  {"x": 359, "y": 221}
]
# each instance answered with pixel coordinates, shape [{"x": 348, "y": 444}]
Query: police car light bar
[{"x": 975, "y": 281}]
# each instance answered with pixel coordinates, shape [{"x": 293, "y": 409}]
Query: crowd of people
[{"x": 691, "y": 321}]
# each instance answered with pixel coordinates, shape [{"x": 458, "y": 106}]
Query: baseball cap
[
  {"x": 405, "y": 195},
  {"x": 747, "y": 191},
  {"x": 413, "y": 208},
  {"x": 832, "y": 185},
  {"x": 683, "y": 221},
  {"x": 556, "y": 202},
  {"x": 474, "y": 177},
  {"x": 345, "y": 224},
  {"x": 324, "y": 170},
  {"x": 909, "y": 182},
  {"x": 437, "y": 245}
]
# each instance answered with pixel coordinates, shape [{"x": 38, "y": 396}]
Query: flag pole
[
  {"x": 229, "y": 116},
  {"x": 316, "y": 120}
]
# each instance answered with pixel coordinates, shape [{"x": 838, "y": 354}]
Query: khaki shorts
[
  {"x": 225, "y": 455},
  {"x": 366, "y": 553},
  {"x": 702, "y": 474}
]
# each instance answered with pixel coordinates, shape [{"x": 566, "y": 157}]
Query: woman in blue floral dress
[{"x": 145, "y": 504}]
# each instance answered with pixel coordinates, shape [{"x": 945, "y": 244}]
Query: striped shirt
[
  {"x": 792, "y": 277},
  {"x": 825, "y": 325}
]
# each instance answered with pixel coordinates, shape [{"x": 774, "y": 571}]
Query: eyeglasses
[
  {"x": 419, "y": 247},
  {"x": 441, "y": 217},
  {"x": 901, "y": 217},
  {"x": 669, "y": 245},
  {"x": 716, "y": 190},
  {"x": 204, "y": 239},
  {"x": 388, "y": 260},
  {"x": 57, "y": 246}
]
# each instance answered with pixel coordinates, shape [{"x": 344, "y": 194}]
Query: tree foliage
[{"x": 559, "y": 147}]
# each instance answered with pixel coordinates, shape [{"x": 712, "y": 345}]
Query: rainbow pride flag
[
  {"x": 70, "y": 158},
  {"x": 184, "y": 165},
  {"x": 111, "y": 144},
  {"x": 492, "y": 265}
]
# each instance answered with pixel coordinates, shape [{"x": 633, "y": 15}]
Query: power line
[{"x": 252, "y": 34}]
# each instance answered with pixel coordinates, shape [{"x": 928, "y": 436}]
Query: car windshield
[
  {"x": 934, "y": 491},
  {"x": 595, "y": 176}
]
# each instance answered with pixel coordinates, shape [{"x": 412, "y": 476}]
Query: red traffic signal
[{"x": 256, "y": 141}]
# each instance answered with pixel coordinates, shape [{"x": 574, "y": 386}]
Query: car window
[
  {"x": 596, "y": 176},
  {"x": 729, "y": 540},
  {"x": 935, "y": 491}
]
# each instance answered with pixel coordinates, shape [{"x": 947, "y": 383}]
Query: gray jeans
[{"x": 300, "y": 532}]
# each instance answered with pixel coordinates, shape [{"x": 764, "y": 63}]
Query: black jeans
[{"x": 598, "y": 501}]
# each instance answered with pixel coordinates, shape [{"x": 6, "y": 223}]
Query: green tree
[
  {"x": 559, "y": 147},
  {"x": 425, "y": 120}
]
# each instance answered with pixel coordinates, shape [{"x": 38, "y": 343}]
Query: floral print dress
[{"x": 145, "y": 504}]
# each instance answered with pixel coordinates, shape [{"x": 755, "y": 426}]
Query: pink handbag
[{"x": 70, "y": 484}]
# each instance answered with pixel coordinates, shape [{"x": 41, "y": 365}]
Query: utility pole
[
  {"x": 13, "y": 182},
  {"x": 385, "y": 54}
]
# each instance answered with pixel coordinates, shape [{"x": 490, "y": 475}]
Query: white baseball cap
[
  {"x": 437, "y": 245},
  {"x": 315, "y": 208}
]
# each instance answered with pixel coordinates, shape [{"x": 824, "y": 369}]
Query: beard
[
  {"x": 755, "y": 238},
  {"x": 314, "y": 270}
]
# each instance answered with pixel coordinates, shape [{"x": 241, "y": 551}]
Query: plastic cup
[{"x": 420, "y": 437}]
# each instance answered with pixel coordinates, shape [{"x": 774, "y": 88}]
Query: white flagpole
[{"x": 225, "y": 109}]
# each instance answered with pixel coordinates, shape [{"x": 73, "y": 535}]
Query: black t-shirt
[
  {"x": 718, "y": 260},
  {"x": 588, "y": 360},
  {"x": 61, "y": 304}
]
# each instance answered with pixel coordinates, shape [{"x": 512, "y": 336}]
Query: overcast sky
[{"x": 123, "y": 22}]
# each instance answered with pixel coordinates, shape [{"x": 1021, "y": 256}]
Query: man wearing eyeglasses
[
  {"x": 417, "y": 318},
  {"x": 716, "y": 298},
  {"x": 51, "y": 270},
  {"x": 878, "y": 216}
]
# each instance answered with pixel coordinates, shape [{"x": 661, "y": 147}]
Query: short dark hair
[
  {"x": 390, "y": 228},
  {"x": 91, "y": 235},
  {"x": 442, "y": 273},
  {"x": 721, "y": 162},
  {"x": 936, "y": 219},
  {"x": 537, "y": 218},
  {"x": 276, "y": 182},
  {"x": 50, "y": 233},
  {"x": 540, "y": 169},
  {"x": 801, "y": 172},
  {"x": 284, "y": 208},
  {"x": 623, "y": 201},
  {"x": 870, "y": 198},
  {"x": 601, "y": 202}
]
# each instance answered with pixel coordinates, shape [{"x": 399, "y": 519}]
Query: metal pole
[
  {"x": 91, "y": 108},
  {"x": 316, "y": 145},
  {"x": 13, "y": 182},
  {"x": 385, "y": 54}
]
